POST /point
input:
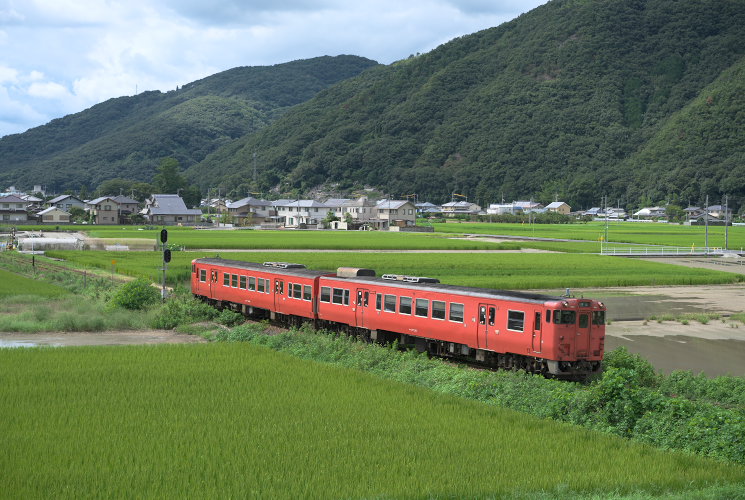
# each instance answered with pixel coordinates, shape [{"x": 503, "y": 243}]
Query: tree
[{"x": 169, "y": 180}]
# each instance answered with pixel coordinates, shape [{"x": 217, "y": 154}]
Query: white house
[
  {"x": 460, "y": 207},
  {"x": 54, "y": 215},
  {"x": 559, "y": 207}
]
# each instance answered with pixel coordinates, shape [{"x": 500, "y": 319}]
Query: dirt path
[{"x": 125, "y": 337}]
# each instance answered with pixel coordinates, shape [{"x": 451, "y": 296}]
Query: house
[
  {"x": 720, "y": 212},
  {"x": 427, "y": 208},
  {"x": 301, "y": 213},
  {"x": 503, "y": 209},
  {"x": 650, "y": 213},
  {"x": 360, "y": 210},
  {"x": 54, "y": 215},
  {"x": 170, "y": 209},
  {"x": 66, "y": 202},
  {"x": 127, "y": 208},
  {"x": 693, "y": 213},
  {"x": 460, "y": 207},
  {"x": 388, "y": 213},
  {"x": 559, "y": 207},
  {"x": 13, "y": 209},
  {"x": 250, "y": 210},
  {"x": 336, "y": 205},
  {"x": 104, "y": 210}
]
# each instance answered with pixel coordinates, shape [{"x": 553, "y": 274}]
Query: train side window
[
  {"x": 203, "y": 275},
  {"x": 297, "y": 291},
  {"x": 225, "y": 279},
  {"x": 193, "y": 269},
  {"x": 378, "y": 301},
  {"x": 307, "y": 292},
  {"x": 261, "y": 285},
  {"x": 482, "y": 315},
  {"x": 340, "y": 296},
  {"x": 390, "y": 303},
  {"x": 422, "y": 308},
  {"x": 492, "y": 315},
  {"x": 537, "y": 321},
  {"x": 515, "y": 321},
  {"x": 252, "y": 283},
  {"x": 598, "y": 317},
  {"x": 456, "y": 312},
  {"x": 548, "y": 315},
  {"x": 367, "y": 299},
  {"x": 243, "y": 283},
  {"x": 438, "y": 309},
  {"x": 346, "y": 297},
  {"x": 325, "y": 294},
  {"x": 404, "y": 305},
  {"x": 279, "y": 287},
  {"x": 234, "y": 280}
]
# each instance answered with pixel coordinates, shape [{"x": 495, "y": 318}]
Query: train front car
[{"x": 575, "y": 340}]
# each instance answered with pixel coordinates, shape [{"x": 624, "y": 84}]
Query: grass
[
  {"x": 501, "y": 271},
  {"x": 14, "y": 284},
  {"x": 236, "y": 420}
]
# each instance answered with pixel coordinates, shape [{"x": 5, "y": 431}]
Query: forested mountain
[
  {"x": 639, "y": 100},
  {"x": 127, "y": 137}
]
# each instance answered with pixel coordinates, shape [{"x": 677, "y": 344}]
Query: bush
[
  {"x": 180, "y": 309},
  {"x": 135, "y": 295}
]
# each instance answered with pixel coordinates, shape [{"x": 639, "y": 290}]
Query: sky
[{"x": 59, "y": 57}]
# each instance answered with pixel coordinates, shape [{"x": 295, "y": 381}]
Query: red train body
[{"x": 557, "y": 336}]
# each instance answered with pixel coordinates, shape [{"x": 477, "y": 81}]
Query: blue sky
[{"x": 62, "y": 56}]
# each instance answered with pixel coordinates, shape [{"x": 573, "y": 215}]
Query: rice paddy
[
  {"x": 227, "y": 420},
  {"x": 502, "y": 271}
]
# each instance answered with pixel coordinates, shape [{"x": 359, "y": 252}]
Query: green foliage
[
  {"x": 229, "y": 318},
  {"x": 578, "y": 98},
  {"x": 127, "y": 137},
  {"x": 181, "y": 309},
  {"x": 135, "y": 295}
]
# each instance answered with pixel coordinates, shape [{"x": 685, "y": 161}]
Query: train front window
[
  {"x": 598, "y": 317},
  {"x": 565, "y": 317}
]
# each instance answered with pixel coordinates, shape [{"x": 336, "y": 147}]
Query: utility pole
[
  {"x": 726, "y": 220},
  {"x": 706, "y": 222}
]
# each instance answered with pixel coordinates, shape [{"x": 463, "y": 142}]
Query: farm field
[
  {"x": 12, "y": 284},
  {"x": 618, "y": 232},
  {"x": 236, "y": 420},
  {"x": 509, "y": 271}
]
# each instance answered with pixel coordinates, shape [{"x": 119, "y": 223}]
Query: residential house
[
  {"x": 388, "y": 213},
  {"x": 720, "y": 212},
  {"x": 54, "y": 215},
  {"x": 170, "y": 209},
  {"x": 693, "y": 213},
  {"x": 336, "y": 205},
  {"x": 301, "y": 213},
  {"x": 460, "y": 207},
  {"x": 650, "y": 213},
  {"x": 559, "y": 207},
  {"x": 13, "y": 209},
  {"x": 66, "y": 202},
  {"x": 127, "y": 208},
  {"x": 248, "y": 211},
  {"x": 504, "y": 209},
  {"x": 427, "y": 208},
  {"x": 104, "y": 210}
]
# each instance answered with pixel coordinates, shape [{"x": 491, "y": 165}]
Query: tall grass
[{"x": 236, "y": 420}]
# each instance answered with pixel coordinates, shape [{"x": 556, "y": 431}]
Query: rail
[{"x": 669, "y": 251}]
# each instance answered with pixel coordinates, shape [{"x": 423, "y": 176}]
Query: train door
[
  {"x": 363, "y": 302},
  {"x": 582, "y": 345},
  {"x": 279, "y": 294},
  {"x": 213, "y": 283},
  {"x": 537, "y": 332},
  {"x": 486, "y": 325}
]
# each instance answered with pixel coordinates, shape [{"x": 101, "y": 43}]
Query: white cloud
[{"x": 62, "y": 56}]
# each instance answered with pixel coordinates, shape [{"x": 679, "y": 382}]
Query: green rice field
[
  {"x": 13, "y": 284},
  {"x": 618, "y": 232},
  {"x": 233, "y": 420},
  {"x": 502, "y": 271}
]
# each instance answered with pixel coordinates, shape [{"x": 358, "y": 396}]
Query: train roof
[
  {"x": 471, "y": 291},
  {"x": 268, "y": 267}
]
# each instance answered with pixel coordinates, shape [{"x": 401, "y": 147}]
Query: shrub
[
  {"x": 180, "y": 309},
  {"x": 135, "y": 295}
]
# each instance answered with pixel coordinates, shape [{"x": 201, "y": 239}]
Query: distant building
[
  {"x": 559, "y": 207},
  {"x": 13, "y": 209},
  {"x": 170, "y": 209},
  {"x": 460, "y": 207},
  {"x": 66, "y": 202},
  {"x": 54, "y": 215},
  {"x": 250, "y": 210}
]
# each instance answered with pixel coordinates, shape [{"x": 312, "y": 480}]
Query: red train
[{"x": 555, "y": 336}]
